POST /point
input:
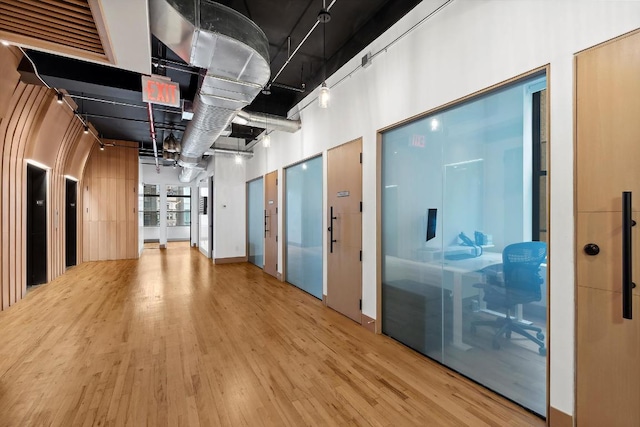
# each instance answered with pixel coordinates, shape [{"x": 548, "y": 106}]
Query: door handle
[
  {"x": 627, "y": 259},
  {"x": 331, "y": 239},
  {"x": 591, "y": 249},
  {"x": 265, "y": 223}
]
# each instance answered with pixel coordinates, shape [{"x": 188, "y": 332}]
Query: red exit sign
[{"x": 160, "y": 90}]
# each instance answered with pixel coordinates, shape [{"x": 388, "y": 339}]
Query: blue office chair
[{"x": 519, "y": 282}]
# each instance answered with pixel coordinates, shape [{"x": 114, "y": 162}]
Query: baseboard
[
  {"x": 557, "y": 418},
  {"x": 230, "y": 260},
  {"x": 368, "y": 323}
]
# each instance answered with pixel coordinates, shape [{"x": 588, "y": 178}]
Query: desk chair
[{"x": 518, "y": 283}]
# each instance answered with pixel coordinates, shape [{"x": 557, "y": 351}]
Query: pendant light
[{"x": 324, "y": 96}]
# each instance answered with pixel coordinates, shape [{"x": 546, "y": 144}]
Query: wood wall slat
[
  {"x": 47, "y": 35},
  {"x": 21, "y": 104},
  {"x": 51, "y": 10},
  {"x": 62, "y": 24},
  {"x": 80, "y": 7},
  {"x": 33, "y": 125},
  {"x": 108, "y": 217},
  {"x": 45, "y": 21},
  {"x": 71, "y": 32}
]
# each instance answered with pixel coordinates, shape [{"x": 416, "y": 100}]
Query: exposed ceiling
[{"x": 110, "y": 97}]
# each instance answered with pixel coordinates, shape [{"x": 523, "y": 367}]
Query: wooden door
[
  {"x": 607, "y": 163},
  {"x": 271, "y": 223},
  {"x": 344, "y": 202}
]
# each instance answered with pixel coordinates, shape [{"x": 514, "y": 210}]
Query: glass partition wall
[
  {"x": 462, "y": 280},
  {"x": 255, "y": 221},
  {"x": 303, "y": 204}
]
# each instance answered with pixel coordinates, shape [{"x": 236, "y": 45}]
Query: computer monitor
[{"x": 431, "y": 223}]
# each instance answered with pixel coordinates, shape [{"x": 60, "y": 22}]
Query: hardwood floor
[{"x": 172, "y": 339}]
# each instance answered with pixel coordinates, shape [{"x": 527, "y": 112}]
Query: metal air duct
[
  {"x": 267, "y": 121},
  {"x": 235, "y": 53}
]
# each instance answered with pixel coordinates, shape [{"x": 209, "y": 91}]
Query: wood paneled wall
[
  {"x": 110, "y": 192},
  {"x": 33, "y": 126}
]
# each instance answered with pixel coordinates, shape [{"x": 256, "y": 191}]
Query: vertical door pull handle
[
  {"x": 627, "y": 258},
  {"x": 331, "y": 239},
  {"x": 265, "y": 223}
]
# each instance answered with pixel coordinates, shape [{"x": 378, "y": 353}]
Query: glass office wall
[
  {"x": 303, "y": 204},
  {"x": 462, "y": 281},
  {"x": 255, "y": 221}
]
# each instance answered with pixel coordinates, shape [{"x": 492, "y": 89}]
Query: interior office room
[{"x": 385, "y": 213}]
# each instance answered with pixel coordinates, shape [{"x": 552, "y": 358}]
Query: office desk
[
  {"x": 458, "y": 269},
  {"x": 448, "y": 275}
]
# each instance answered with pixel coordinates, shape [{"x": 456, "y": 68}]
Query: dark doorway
[
  {"x": 71, "y": 221},
  {"x": 36, "y": 225}
]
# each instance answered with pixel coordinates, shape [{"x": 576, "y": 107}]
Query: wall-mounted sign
[
  {"x": 160, "y": 90},
  {"x": 343, "y": 194}
]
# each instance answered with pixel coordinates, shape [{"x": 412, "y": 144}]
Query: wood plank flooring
[{"x": 172, "y": 339}]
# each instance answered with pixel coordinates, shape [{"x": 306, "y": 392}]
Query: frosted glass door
[
  {"x": 462, "y": 280},
  {"x": 304, "y": 226},
  {"x": 255, "y": 221},
  {"x": 412, "y": 295}
]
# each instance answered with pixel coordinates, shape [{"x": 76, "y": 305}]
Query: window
[
  {"x": 539, "y": 205},
  {"x": 151, "y": 205},
  {"x": 178, "y": 206}
]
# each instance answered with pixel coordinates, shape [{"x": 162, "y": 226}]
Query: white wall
[
  {"x": 467, "y": 46},
  {"x": 229, "y": 208}
]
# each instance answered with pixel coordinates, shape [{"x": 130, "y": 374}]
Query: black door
[
  {"x": 36, "y": 225},
  {"x": 71, "y": 223}
]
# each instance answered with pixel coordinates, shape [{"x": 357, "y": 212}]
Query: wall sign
[
  {"x": 160, "y": 90},
  {"x": 343, "y": 194}
]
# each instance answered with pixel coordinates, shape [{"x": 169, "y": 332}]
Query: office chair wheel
[
  {"x": 507, "y": 335},
  {"x": 473, "y": 329},
  {"x": 542, "y": 351},
  {"x": 495, "y": 344},
  {"x": 540, "y": 336}
]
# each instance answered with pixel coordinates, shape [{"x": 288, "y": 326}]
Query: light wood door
[
  {"x": 344, "y": 277},
  {"x": 271, "y": 223},
  {"x": 607, "y": 163}
]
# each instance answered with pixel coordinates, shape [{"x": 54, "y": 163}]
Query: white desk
[
  {"x": 448, "y": 274},
  {"x": 458, "y": 269}
]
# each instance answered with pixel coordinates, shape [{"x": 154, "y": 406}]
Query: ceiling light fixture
[
  {"x": 60, "y": 97},
  {"x": 101, "y": 147},
  {"x": 86, "y": 129},
  {"x": 324, "y": 17},
  {"x": 5, "y": 43}
]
